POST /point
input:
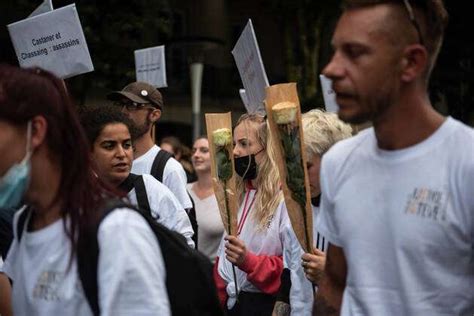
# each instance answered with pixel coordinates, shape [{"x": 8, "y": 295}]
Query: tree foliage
[
  {"x": 113, "y": 30},
  {"x": 306, "y": 28}
]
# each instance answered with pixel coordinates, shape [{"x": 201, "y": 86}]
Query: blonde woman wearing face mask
[{"x": 256, "y": 251}]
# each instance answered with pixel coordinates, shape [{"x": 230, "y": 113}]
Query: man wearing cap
[{"x": 143, "y": 103}]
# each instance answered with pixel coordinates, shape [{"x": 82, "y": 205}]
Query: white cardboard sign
[
  {"x": 53, "y": 41},
  {"x": 150, "y": 66},
  {"x": 328, "y": 94},
  {"x": 44, "y": 7},
  {"x": 245, "y": 100},
  {"x": 252, "y": 72}
]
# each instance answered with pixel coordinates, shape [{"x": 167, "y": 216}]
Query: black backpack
[
  {"x": 189, "y": 279},
  {"x": 136, "y": 181},
  {"x": 156, "y": 171},
  {"x": 6, "y": 230}
]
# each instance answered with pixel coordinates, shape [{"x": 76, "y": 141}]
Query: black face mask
[
  {"x": 246, "y": 167},
  {"x": 316, "y": 201}
]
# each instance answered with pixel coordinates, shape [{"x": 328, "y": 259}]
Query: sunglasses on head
[{"x": 411, "y": 16}]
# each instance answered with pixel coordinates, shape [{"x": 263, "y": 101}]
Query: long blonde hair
[{"x": 268, "y": 194}]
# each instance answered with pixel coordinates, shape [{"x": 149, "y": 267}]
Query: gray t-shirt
[{"x": 209, "y": 221}]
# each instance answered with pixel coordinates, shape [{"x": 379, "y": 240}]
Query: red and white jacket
[{"x": 263, "y": 264}]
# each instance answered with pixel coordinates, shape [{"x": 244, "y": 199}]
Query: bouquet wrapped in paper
[
  {"x": 222, "y": 138},
  {"x": 219, "y": 127},
  {"x": 284, "y": 115},
  {"x": 219, "y": 131},
  {"x": 284, "y": 118}
]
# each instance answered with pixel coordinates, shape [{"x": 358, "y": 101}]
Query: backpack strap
[
  {"x": 6, "y": 230},
  {"x": 136, "y": 182},
  {"x": 127, "y": 184},
  {"x": 88, "y": 255},
  {"x": 159, "y": 164},
  {"x": 142, "y": 197}
]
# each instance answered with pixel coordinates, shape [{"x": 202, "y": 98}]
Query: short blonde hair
[{"x": 321, "y": 131}]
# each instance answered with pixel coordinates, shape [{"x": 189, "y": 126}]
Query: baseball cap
[{"x": 139, "y": 92}]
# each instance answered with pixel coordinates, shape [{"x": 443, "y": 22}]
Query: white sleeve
[
  {"x": 287, "y": 248},
  {"x": 301, "y": 293},
  {"x": 170, "y": 212},
  {"x": 175, "y": 179},
  {"x": 131, "y": 271},
  {"x": 326, "y": 222}
]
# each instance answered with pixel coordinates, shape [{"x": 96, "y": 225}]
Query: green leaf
[{"x": 224, "y": 165}]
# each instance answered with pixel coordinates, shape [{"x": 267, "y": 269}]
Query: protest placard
[
  {"x": 328, "y": 94},
  {"x": 150, "y": 66},
  {"x": 245, "y": 100},
  {"x": 53, "y": 41},
  {"x": 44, "y": 7},
  {"x": 252, "y": 72}
]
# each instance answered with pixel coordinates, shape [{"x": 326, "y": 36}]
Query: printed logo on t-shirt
[
  {"x": 269, "y": 221},
  {"x": 47, "y": 286},
  {"x": 428, "y": 204}
]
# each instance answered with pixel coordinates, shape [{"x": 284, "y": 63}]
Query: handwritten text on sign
[
  {"x": 328, "y": 94},
  {"x": 252, "y": 72},
  {"x": 150, "y": 66}
]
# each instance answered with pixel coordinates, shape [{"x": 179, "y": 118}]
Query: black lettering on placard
[{"x": 45, "y": 50}]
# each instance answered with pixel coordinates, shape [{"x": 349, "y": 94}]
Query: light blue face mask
[{"x": 14, "y": 183}]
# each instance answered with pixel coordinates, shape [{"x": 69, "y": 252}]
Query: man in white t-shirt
[
  {"x": 143, "y": 103},
  {"x": 397, "y": 203}
]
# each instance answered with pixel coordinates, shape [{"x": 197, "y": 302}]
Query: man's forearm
[{"x": 328, "y": 299}]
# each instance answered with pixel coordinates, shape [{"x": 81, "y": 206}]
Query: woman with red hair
[{"x": 45, "y": 165}]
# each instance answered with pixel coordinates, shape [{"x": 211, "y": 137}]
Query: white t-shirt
[
  {"x": 209, "y": 222},
  {"x": 131, "y": 272},
  {"x": 301, "y": 292},
  {"x": 165, "y": 207},
  {"x": 258, "y": 241},
  {"x": 405, "y": 220},
  {"x": 174, "y": 176}
]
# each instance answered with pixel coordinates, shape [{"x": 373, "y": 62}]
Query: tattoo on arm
[
  {"x": 322, "y": 307},
  {"x": 281, "y": 309}
]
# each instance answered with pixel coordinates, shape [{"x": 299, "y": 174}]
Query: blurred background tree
[
  {"x": 301, "y": 40},
  {"x": 307, "y": 27},
  {"x": 113, "y": 30}
]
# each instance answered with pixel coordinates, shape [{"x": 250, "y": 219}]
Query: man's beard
[
  {"x": 142, "y": 129},
  {"x": 375, "y": 108}
]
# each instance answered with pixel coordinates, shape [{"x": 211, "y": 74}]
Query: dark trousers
[{"x": 253, "y": 304}]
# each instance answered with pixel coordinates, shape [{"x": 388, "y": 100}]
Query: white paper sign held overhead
[
  {"x": 245, "y": 100},
  {"x": 44, "y": 7},
  {"x": 252, "y": 72},
  {"x": 328, "y": 94},
  {"x": 53, "y": 41},
  {"x": 150, "y": 66}
]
